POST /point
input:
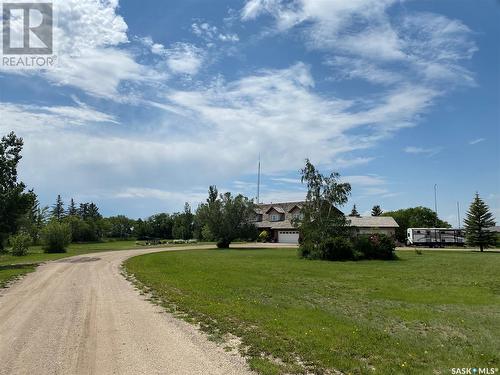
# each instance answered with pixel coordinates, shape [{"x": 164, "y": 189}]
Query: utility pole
[
  {"x": 435, "y": 203},
  {"x": 258, "y": 183},
  {"x": 458, "y": 214}
]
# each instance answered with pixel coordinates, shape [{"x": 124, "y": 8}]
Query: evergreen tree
[
  {"x": 72, "y": 210},
  {"x": 478, "y": 220},
  {"x": 83, "y": 210},
  {"x": 354, "y": 212},
  {"x": 376, "y": 210},
  {"x": 58, "y": 209},
  {"x": 93, "y": 212}
]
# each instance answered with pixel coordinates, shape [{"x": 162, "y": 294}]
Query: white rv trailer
[{"x": 434, "y": 237}]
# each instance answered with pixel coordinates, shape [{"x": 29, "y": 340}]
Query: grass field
[
  {"x": 422, "y": 314},
  {"x": 14, "y": 266}
]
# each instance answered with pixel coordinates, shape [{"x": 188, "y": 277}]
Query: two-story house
[{"x": 277, "y": 220}]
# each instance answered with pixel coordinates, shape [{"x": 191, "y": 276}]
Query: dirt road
[{"x": 80, "y": 316}]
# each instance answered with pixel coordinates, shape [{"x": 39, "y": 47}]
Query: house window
[{"x": 275, "y": 217}]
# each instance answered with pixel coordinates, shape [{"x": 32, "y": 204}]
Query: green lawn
[
  {"x": 14, "y": 266},
  {"x": 422, "y": 314}
]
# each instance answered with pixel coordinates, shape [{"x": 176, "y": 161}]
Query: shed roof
[{"x": 373, "y": 222}]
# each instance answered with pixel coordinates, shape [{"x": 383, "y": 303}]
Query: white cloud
[
  {"x": 252, "y": 9},
  {"x": 100, "y": 71},
  {"x": 229, "y": 37},
  {"x": 420, "y": 150},
  {"x": 476, "y": 141},
  {"x": 89, "y": 38},
  {"x": 351, "y": 68},
  {"x": 274, "y": 112},
  {"x": 184, "y": 58},
  {"x": 33, "y": 118},
  {"x": 164, "y": 195},
  {"x": 426, "y": 46},
  {"x": 210, "y": 33}
]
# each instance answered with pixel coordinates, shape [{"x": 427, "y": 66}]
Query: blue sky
[{"x": 153, "y": 101}]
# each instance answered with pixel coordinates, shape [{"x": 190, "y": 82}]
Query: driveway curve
[{"x": 79, "y": 315}]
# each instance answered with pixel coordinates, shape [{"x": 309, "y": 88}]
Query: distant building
[
  {"x": 374, "y": 224},
  {"x": 276, "y": 219}
]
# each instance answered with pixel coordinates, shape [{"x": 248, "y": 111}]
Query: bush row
[{"x": 376, "y": 246}]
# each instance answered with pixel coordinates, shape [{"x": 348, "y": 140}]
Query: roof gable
[{"x": 275, "y": 208}]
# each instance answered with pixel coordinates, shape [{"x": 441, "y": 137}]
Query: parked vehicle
[{"x": 435, "y": 237}]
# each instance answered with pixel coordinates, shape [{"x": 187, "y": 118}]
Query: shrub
[
  {"x": 337, "y": 248},
  {"x": 264, "y": 236},
  {"x": 223, "y": 243},
  {"x": 333, "y": 248},
  {"x": 20, "y": 243},
  {"x": 56, "y": 237},
  {"x": 305, "y": 250},
  {"x": 376, "y": 246}
]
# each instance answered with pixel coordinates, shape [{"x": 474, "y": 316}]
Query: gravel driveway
[{"x": 79, "y": 315}]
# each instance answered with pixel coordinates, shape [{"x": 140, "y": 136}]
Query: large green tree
[
  {"x": 227, "y": 217},
  {"x": 118, "y": 226},
  {"x": 477, "y": 223},
  {"x": 415, "y": 217},
  {"x": 321, "y": 217},
  {"x": 183, "y": 224},
  {"x": 15, "y": 201}
]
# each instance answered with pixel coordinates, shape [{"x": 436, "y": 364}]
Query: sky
[{"x": 150, "y": 102}]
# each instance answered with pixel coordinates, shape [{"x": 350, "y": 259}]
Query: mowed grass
[
  {"x": 14, "y": 266},
  {"x": 422, "y": 314}
]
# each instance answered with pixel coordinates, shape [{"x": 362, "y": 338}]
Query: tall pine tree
[
  {"x": 58, "y": 209},
  {"x": 354, "y": 212},
  {"x": 72, "y": 210},
  {"x": 376, "y": 210},
  {"x": 478, "y": 220}
]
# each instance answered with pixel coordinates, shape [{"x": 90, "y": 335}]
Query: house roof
[
  {"x": 294, "y": 207},
  {"x": 275, "y": 208},
  {"x": 360, "y": 222},
  {"x": 373, "y": 222},
  {"x": 284, "y": 224},
  {"x": 280, "y": 207}
]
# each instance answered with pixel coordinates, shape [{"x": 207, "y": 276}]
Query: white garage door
[{"x": 288, "y": 236}]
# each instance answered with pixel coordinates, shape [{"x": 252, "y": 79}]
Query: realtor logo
[{"x": 27, "y": 29}]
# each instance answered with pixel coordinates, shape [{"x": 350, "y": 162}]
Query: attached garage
[{"x": 288, "y": 236}]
